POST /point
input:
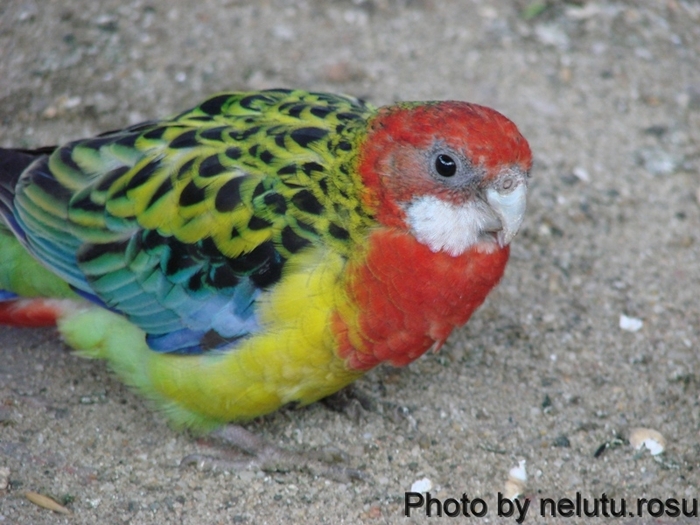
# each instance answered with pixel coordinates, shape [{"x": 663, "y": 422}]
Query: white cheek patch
[{"x": 445, "y": 227}]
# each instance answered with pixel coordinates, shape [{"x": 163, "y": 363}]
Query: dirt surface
[{"x": 607, "y": 93}]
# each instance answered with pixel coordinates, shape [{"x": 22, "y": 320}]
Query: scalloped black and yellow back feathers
[
  {"x": 233, "y": 167},
  {"x": 213, "y": 201}
]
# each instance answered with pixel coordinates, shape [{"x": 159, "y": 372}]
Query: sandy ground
[{"x": 608, "y": 94}]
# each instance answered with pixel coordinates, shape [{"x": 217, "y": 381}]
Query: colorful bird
[{"x": 262, "y": 248}]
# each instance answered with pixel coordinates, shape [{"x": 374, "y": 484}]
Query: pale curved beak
[{"x": 510, "y": 210}]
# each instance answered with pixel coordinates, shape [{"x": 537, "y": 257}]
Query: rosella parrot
[{"x": 262, "y": 248}]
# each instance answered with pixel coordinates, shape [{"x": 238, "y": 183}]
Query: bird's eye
[{"x": 445, "y": 165}]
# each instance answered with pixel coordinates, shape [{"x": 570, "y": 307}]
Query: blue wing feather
[{"x": 7, "y": 296}]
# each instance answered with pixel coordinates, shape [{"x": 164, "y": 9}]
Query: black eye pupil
[{"x": 445, "y": 165}]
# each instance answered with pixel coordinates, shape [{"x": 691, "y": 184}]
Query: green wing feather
[{"x": 179, "y": 224}]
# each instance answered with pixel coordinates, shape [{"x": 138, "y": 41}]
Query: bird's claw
[
  {"x": 351, "y": 401},
  {"x": 256, "y": 453}
]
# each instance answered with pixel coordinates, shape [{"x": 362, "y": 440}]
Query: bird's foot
[
  {"x": 351, "y": 401},
  {"x": 253, "y": 452}
]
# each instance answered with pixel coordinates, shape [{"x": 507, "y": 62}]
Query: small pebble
[
  {"x": 422, "y": 485},
  {"x": 630, "y": 324},
  {"x": 652, "y": 439},
  {"x": 657, "y": 161},
  {"x": 561, "y": 441},
  {"x": 516, "y": 482},
  {"x": 581, "y": 174}
]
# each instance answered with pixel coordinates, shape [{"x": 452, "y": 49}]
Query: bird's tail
[
  {"x": 29, "y": 294},
  {"x": 33, "y": 312}
]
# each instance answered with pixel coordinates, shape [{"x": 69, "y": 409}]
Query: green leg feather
[{"x": 20, "y": 273}]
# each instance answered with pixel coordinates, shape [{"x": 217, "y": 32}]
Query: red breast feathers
[{"x": 448, "y": 184}]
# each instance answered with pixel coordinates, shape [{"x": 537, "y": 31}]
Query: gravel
[{"x": 607, "y": 93}]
